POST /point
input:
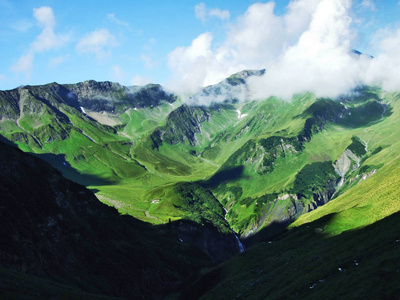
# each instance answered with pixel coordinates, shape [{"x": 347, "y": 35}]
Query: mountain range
[{"x": 309, "y": 186}]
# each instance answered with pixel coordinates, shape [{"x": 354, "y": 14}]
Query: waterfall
[{"x": 241, "y": 247}]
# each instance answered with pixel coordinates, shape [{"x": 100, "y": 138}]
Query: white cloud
[
  {"x": 24, "y": 64},
  {"x": 46, "y": 40},
  {"x": 202, "y": 12},
  {"x": 195, "y": 65},
  {"x": 45, "y": 16},
  {"x": 97, "y": 42},
  {"x": 117, "y": 73},
  {"x": 22, "y": 25},
  {"x": 384, "y": 68},
  {"x": 112, "y": 18},
  {"x": 321, "y": 61},
  {"x": 368, "y": 4},
  {"x": 308, "y": 48},
  {"x": 148, "y": 61},
  {"x": 257, "y": 38},
  {"x": 139, "y": 80},
  {"x": 220, "y": 14},
  {"x": 55, "y": 61}
]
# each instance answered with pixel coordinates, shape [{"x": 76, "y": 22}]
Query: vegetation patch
[
  {"x": 313, "y": 177},
  {"x": 357, "y": 147},
  {"x": 201, "y": 206}
]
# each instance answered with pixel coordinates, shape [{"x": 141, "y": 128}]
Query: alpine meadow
[{"x": 266, "y": 167}]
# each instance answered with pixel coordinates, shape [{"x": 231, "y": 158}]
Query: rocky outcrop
[
  {"x": 182, "y": 126},
  {"x": 112, "y": 97},
  {"x": 261, "y": 154},
  {"x": 233, "y": 89},
  {"x": 348, "y": 161}
]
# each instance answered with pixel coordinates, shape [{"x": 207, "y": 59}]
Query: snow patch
[
  {"x": 344, "y": 105},
  {"x": 240, "y": 116}
]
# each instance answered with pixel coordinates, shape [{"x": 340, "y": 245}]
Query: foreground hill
[
  {"x": 309, "y": 263},
  {"x": 58, "y": 240}
]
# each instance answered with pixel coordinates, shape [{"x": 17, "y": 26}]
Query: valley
[{"x": 219, "y": 165}]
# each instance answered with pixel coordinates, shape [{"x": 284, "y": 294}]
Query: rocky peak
[
  {"x": 240, "y": 77},
  {"x": 113, "y": 97}
]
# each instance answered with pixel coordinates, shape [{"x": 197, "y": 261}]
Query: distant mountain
[{"x": 112, "y": 97}]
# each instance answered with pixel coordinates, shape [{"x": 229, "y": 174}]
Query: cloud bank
[{"x": 308, "y": 48}]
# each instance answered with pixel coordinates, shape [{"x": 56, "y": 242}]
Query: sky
[{"x": 184, "y": 44}]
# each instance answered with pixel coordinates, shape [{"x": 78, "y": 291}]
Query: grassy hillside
[
  {"x": 369, "y": 199},
  {"x": 309, "y": 263},
  {"x": 254, "y": 156},
  {"x": 347, "y": 248},
  {"x": 327, "y": 168}
]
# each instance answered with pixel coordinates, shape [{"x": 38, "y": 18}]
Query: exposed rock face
[
  {"x": 182, "y": 126},
  {"x": 323, "y": 196},
  {"x": 346, "y": 161},
  {"x": 40, "y": 113},
  {"x": 232, "y": 89},
  {"x": 112, "y": 97},
  {"x": 287, "y": 208},
  {"x": 186, "y": 121},
  {"x": 240, "y": 77}
]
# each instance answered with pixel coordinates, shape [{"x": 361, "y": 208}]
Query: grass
[
  {"x": 16, "y": 285},
  {"x": 376, "y": 197},
  {"x": 120, "y": 165},
  {"x": 308, "y": 263}
]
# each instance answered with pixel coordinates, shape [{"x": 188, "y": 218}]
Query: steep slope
[
  {"x": 347, "y": 248},
  {"x": 49, "y": 119},
  {"x": 306, "y": 263},
  {"x": 58, "y": 232},
  {"x": 268, "y": 179}
]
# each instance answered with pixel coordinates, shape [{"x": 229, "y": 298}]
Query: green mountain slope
[
  {"x": 347, "y": 248},
  {"x": 265, "y": 161},
  {"x": 220, "y": 162}
]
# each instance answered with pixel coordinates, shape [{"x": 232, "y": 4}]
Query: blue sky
[{"x": 181, "y": 44}]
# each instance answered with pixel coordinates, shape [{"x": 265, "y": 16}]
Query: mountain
[
  {"x": 218, "y": 166},
  {"x": 59, "y": 238}
]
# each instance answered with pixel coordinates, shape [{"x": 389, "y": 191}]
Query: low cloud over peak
[{"x": 308, "y": 48}]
